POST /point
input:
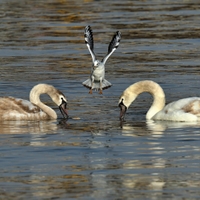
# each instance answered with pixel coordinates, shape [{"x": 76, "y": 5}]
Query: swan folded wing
[
  {"x": 187, "y": 109},
  {"x": 19, "y": 109}
]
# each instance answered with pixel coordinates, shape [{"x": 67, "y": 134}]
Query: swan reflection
[
  {"x": 154, "y": 127},
  {"x": 24, "y": 127}
]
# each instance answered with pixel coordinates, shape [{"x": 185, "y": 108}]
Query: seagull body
[{"x": 97, "y": 77}]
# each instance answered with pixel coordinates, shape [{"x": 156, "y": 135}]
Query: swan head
[
  {"x": 61, "y": 102},
  {"x": 124, "y": 102},
  {"x": 63, "y": 108},
  {"x": 123, "y": 109}
]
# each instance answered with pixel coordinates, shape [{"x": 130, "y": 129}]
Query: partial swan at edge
[
  {"x": 187, "y": 109},
  {"x": 20, "y": 109}
]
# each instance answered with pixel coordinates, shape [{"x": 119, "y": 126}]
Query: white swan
[
  {"x": 187, "y": 109},
  {"x": 20, "y": 109}
]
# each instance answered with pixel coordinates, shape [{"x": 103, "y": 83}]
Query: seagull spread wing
[
  {"x": 89, "y": 41},
  {"x": 113, "y": 45}
]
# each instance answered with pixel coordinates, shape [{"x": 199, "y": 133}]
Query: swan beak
[
  {"x": 63, "y": 109},
  {"x": 123, "y": 109}
]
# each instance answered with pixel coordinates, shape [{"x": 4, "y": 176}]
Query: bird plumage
[
  {"x": 20, "y": 109},
  {"x": 97, "y": 77},
  {"x": 187, "y": 109}
]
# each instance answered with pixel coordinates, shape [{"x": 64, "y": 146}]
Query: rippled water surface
[{"x": 92, "y": 155}]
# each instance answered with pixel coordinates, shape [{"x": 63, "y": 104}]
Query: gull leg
[
  {"x": 90, "y": 92},
  {"x": 92, "y": 83},
  {"x": 100, "y": 91}
]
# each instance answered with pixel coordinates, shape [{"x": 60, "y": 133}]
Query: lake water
[{"x": 91, "y": 156}]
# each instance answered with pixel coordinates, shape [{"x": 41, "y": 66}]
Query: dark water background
[{"x": 93, "y": 157}]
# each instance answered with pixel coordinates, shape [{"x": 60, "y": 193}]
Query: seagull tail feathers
[{"x": 96, "y": 86}]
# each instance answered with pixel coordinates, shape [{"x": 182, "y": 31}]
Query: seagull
[{"x": 97, "y": 77}]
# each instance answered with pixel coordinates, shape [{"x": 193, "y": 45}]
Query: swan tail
[{"x": 96, "y": 85}]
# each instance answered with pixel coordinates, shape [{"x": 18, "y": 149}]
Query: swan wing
[
  {"x": 187, "y": 109},
  {"x": 19, "y": 109}
]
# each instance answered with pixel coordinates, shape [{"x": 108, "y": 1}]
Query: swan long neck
[
  {"x": 155, "y": 90},
  {"x": 35, "y": 98}
]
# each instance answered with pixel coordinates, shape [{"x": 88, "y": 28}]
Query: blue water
[{"x": 92, "y": 155}]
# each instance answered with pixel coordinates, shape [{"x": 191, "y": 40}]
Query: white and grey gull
[{"x": 97, "y": 79}]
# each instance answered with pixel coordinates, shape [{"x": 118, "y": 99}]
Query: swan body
[
  {"x": 187, "y": 109},
  {"x": 20, "y": 109},
  {"x": 97, "y": 77}
]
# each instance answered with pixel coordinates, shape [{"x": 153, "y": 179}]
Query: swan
[
  {"x": 183, "y": 110},
  {"x": 20, "y": 109}
]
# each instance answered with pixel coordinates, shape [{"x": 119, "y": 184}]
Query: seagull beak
[
  {"x": 123, "y": 109},
  {"x": 63, "y": 109},
  {"x": 94, "y": 67}
]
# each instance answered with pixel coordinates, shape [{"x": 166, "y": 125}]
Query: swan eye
[
  {"x": 63, "y": 99},
  {"x": 63, "y": 107},
  {"x": 121, "y": 102},
  {"x": 63, "y": 102}
]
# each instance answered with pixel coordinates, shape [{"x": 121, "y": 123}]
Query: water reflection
[
  {"x": 28, "y": 127},
  {"x": 161, "y": 126},
  {"x": 155, "y": 127}
]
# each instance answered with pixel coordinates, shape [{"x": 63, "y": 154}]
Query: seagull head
[{"x": 96, "y": 64}]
